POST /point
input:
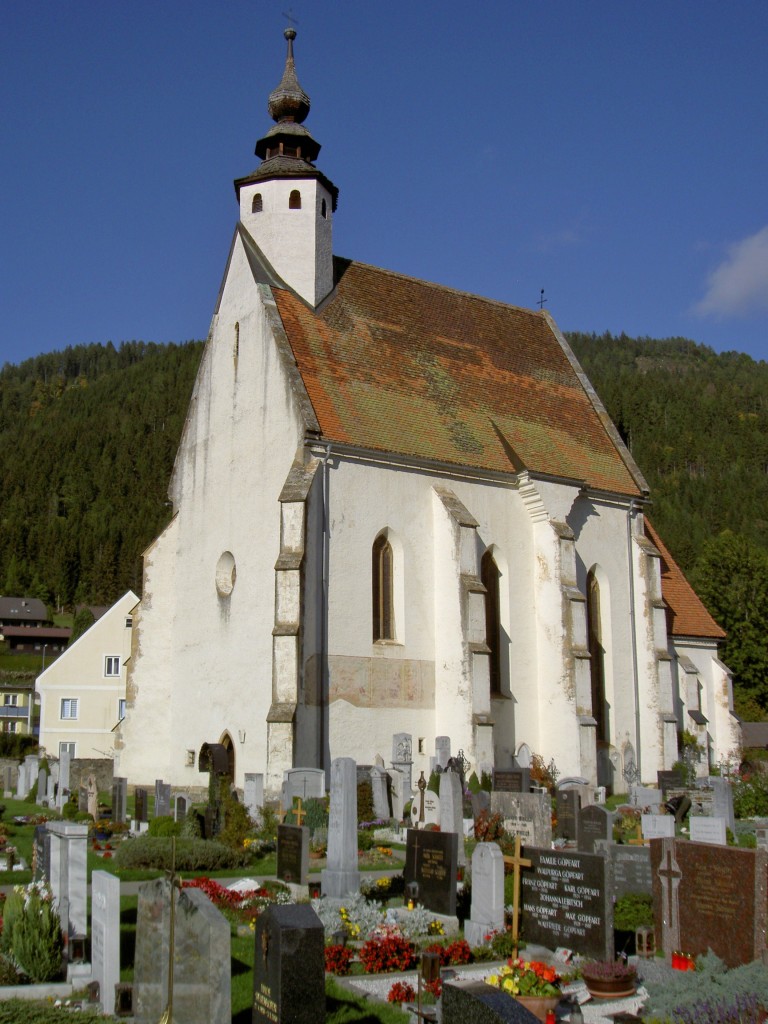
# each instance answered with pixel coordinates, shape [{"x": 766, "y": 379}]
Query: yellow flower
[
  {"x": 493, "y": 979},
  {"x": 510, "y": 986}
]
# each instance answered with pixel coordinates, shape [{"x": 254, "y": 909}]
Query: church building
[{"x": 401, "y": 508}]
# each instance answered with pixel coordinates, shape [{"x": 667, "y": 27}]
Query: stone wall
[{"x": 101, "y": 767}]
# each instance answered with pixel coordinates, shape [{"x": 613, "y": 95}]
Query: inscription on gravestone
[
  {"x": 568, "y": 804},
  {"x": 508, "y": 781},
  {"x": 289, "y": 967},
  {"x": 594, "y": 824},
  {"x": 631, "y": 869},
  {"x": 566, "y": 902},
  {"x": 431, "y": 860}
]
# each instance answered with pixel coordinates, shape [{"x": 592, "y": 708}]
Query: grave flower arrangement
[
  {"x": 401, "y": 992},
  {"x": 392, "y": 952},
  {"x": 526, "y": 978},
  {"x": 338, "y": 959}
]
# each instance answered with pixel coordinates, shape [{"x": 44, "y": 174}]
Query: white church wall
[
  {"x": 714, "y": 693},
  {"x": 243, "y": 414}
]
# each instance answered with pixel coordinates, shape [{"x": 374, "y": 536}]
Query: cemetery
[{"x": 506, "y": 898}]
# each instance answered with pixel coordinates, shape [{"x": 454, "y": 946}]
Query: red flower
[
  {"x": 393, "y": 953},
  {"x": 337, "y": 959},
  {"x": 401, "y": 992}
]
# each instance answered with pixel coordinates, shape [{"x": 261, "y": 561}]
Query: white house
[
  {"x": 398, "y": 508},
  {"x": 82, "y": 694}
]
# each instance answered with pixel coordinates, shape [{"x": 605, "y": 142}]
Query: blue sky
[{"x": 613, "y": 153}]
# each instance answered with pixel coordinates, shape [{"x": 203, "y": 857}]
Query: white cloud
[{"x": 740, "y": 283}]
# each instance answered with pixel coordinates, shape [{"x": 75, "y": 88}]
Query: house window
[
  {"x": 121, "y": 709},
  {"x": 67, "y": 748},
  {"x": 257, "y": 205},
  {"x": 11, "y": 700},
  {"x": 128, "y": 621},
  {"x": 383, "y": 590},
  {"x": 294, "y": 200},
  {"x": 597, "y": 656},
  {"x": 112, "y": 665},
  {"x": 490, "y": 576},
  {"x": 10, "y": 726},
  {"x": 69, "y": 707}
]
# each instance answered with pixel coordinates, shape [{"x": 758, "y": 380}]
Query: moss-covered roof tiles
[{"x": 399, "y": 365}]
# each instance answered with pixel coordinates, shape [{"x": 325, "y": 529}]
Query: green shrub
[
  {"x": 192, "y": 826},
  {"x": 268, "y": 828},
  {"x": 164, "y": 825},
  {"x": 69, "y": 811},
  {"x": 191, "y": 854},
  {"x": 237, "y": 824},
  {"x": 365, "y": 840},
  {"x": 32, "y": 934},
  {"x": 750, "y": 796},
  {"x": 632, "y": 911},
  {"x": 473, "y": 783},
  {"x": 365, "y": 801},
  {"x": 317, "y": 813},
  {"x": 434, "y": 783}
]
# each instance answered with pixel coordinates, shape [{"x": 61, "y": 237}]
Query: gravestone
[
  {"x": 631, "y": 869},
  {"x": 722, "y": 799},
  {"x": 31, "y": 769},
  {"x": 442, "y": 750},
  {"x": 567, "y": 807},
  {"x": 431, "y": 809},
  {"x": 567, "y": 901},
  {"x": 162, "y": 799},
  {"x": 253, "y": 793},
  {"x": 140, "y": 804},
  {"x": 402, "y": 759},
  {"x": 646, "y": 798},
  {"x": 431, "y": 860},
  {"x": 42, "y": 786},
  {"x": 50, "y": 791},
  {"x": 41, "y": 854},
  {"x": 512, "y": 780},
  {"x": 594, "y": 824},
  {"x": 105, "y": 936},
  {"x": 7, "y": 782},
  {"x": 707, "y": 830},
  {"x": 68, "y": 846},
  {"x": 20, "y": 782},
  {"x": 487, "y": 913},
  {"x": 668, "y": 780},
  {"x": 119, "y": 798},
  {"x": 305, "y": 783},
  {"x": 181, "y": 805},
  {"x": 528, "y": 815},
  {"x": 658, "y": 826},
  {"x": 380, "y": 790},
  {"x": 82, "y": 799},
  {"x": 480, "y": 803},
  {"x": 475, "y": 1002},
  {"x": 397, "y": 792},
  {"x": 710, "y": 897},
  {"x": 201, "y": 957},
  {"x": 92, "y": 797},
  {"x": 293, "y": 854},
  {"x": 342, "y": 876},
  {"x": 65, "y": 759},
  {"x": 289, "y": 966},
  {"x": 451, "y": 810}
]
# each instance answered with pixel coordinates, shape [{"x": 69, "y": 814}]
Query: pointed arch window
[
  {"x": 597, "y": 657},
  {"x": 490, "y": 576},
  {"x": 258, "y": 204},
  {"x": 294, "y": 200},
  {"x": 383, "y": 589},
  {"x": 324, "y": 209}
]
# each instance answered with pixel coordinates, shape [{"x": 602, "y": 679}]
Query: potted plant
[
  {"x": 534, "y": 984},
  {"x": 609, "y": 979}
]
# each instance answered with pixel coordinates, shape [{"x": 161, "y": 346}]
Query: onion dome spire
[{"x": 289, "y": 102}]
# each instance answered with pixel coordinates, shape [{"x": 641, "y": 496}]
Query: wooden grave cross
[
  {"x": 516, "y": 862},
  {"x": 297, "y": 811}
]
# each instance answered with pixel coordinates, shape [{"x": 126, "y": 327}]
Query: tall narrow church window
[
  {"x": 257, "y": 205},
  {"x": 323, "y": 209},
  {"x": 597, "y": 657},
  {"x": 490, "y": 576},
  {"x": 383, "y": 590},
  {"x": 294, "y": 200}
]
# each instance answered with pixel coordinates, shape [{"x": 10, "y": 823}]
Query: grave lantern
[
  {"x": 411, "y": 894},
  {"x": 645, "y": 941}
]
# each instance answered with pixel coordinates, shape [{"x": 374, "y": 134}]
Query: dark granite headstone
[
  {"x": 481, "y": 803},
  {"x": 512, "y": 780},
  {"x": 474, "y": 1001},
  {"x": 710, "y": 897},
  {"x": 631, "y": 869},
  {"x": 289, "y": 967},
  {"x": 567, "y": 807},
  {"x": 162, "y": 799},
  {"x": 431, "y": 860},
  {"x": 119, "y": 798},
  {"x": 594, "y": 824},
  {"x": 181, "y": 806},
  {"x": 667, "y": 781},
  {"x": 566, "y": 901},
  {"x": 140, "y": 804},
  {"x": 293, "y": 853}
]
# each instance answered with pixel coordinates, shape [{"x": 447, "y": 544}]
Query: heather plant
[
  {"x": 710, "y": 985},
  {"x": 191, "y": 854}
]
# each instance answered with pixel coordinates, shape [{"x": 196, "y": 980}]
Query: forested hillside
[
  {"x": 87, "y": 442},
  {"x": 696, "y": 422}
]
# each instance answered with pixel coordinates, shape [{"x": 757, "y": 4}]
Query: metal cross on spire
[
  {"x": 542, "y": 300},
  {"x": 289, "y": 16}
]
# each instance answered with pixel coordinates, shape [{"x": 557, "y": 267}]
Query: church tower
[{"x": 287, "y": 204}]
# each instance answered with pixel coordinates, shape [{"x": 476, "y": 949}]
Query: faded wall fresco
[{"x": 376, "y": 682}]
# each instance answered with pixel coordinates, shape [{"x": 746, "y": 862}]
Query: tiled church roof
[
  {"x": 398, "y": 365},
  {"x": 686, "y": 614}
]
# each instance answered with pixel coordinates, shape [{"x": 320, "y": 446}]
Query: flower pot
[
  {"x": 611, "y": 988},
  {"x": 539, "y": 1006}
]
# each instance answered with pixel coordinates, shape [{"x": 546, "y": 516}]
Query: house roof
[
  {"x": 686, "y": 614},
  {"x": 22, "y": 609},
  {"x": 37, "y": 632},
  {"x": 754, "y": 734},
  {"x": 398, "y": 365}
]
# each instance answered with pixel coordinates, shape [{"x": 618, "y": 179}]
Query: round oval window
[{"x": 226, "y": 574}]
